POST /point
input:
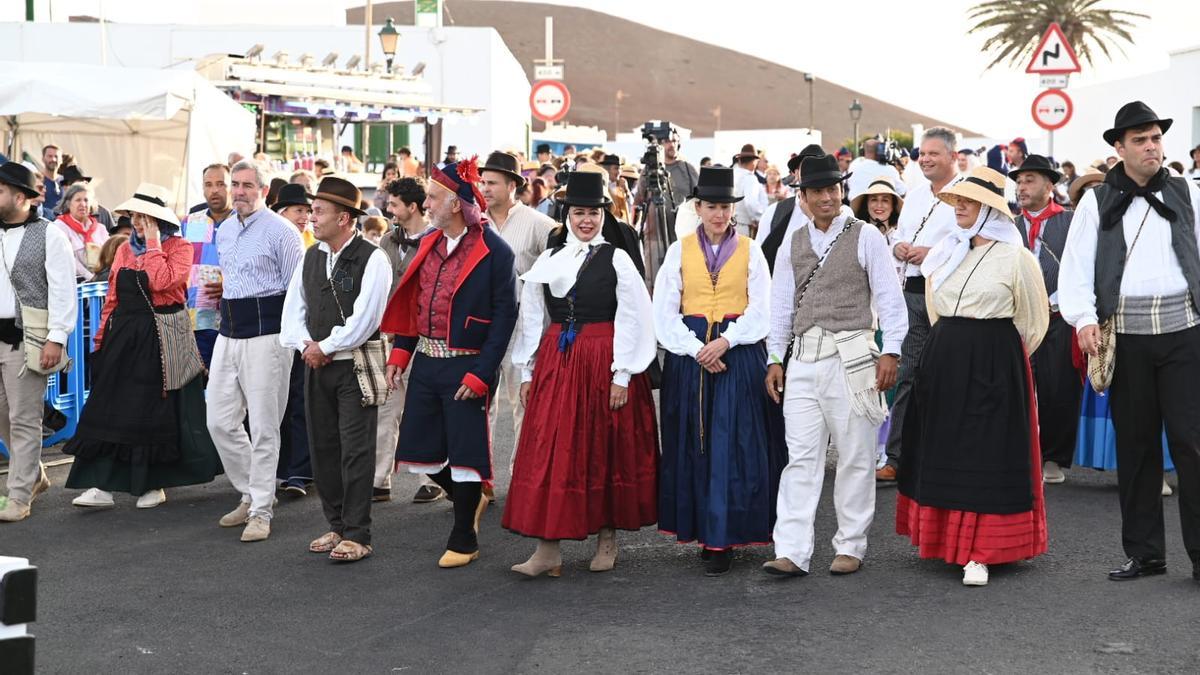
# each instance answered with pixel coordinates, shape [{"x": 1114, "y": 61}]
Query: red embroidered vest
[{"x": 438, "y": 276}]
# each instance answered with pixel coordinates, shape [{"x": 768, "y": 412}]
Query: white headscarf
[
  {"x": 948, "y": 254},
  {"x": 560, "y": 270}
]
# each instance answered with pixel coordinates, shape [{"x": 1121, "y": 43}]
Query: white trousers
[
  {"x": 249, "y": 376},
  {"x": 508, "y": 386},
  {"x": 21, "y": 397},
  {"x": 816, "y": 406}
]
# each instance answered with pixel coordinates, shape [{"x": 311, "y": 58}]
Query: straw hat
[
  {"x": 1088, "y": 177},
  {"x": 879, "y": 186},
  {"x": 150, "y": 200},
  {"x": 983, "y": 185},
  {"x": 629, "y": 171}
]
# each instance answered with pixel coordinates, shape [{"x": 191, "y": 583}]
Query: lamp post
[
  {"x": 812, "y": 117},
  {"x": 388, "y": 37},
  {"x": 855, "y": 115}
]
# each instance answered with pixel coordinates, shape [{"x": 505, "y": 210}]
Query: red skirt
[
  {"x": 581, "y": 466},
  {"x": 959, "y": 537}
]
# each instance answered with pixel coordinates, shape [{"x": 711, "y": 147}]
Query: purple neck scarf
[{"x": 715, "y": 261}]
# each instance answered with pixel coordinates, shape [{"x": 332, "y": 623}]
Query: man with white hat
[{"x": 37, "y": 284}]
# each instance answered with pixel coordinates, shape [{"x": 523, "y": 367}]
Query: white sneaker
[
  {"x": 151, "y": 499},
  {"x": 975, "y": 574},
  {"x": 94, "y": 497},
  {"x": 1052, "y": 473},
  {"x": 1167, "y": 491}
]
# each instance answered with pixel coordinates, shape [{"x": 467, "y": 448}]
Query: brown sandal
[
  {"x": 349, "y": 551},
  {"x": 325, "y": 543}
]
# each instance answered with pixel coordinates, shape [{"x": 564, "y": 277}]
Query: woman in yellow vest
[{"x": 720, "y": 456}]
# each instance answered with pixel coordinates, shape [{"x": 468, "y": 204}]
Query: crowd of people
[{"x": 962, "y": 329}]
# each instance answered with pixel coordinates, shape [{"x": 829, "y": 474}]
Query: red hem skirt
[
  {"x": 581, "y": 466},
  {"x": 959, "y": 537}
]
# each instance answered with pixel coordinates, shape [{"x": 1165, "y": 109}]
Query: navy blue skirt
[{"x": 723, "y": 447}]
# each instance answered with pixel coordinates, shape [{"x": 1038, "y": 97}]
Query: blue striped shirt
[{"x": 258, "y": 256}]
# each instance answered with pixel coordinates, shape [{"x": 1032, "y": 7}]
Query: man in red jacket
[{"x": 452, "y": 317}]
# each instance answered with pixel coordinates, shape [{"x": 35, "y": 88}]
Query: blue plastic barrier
[{"x": 69, "y": 391}]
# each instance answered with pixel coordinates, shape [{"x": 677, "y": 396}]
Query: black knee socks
[
  {"x": 466, "y": 499},
  {"x": 444, "y": 481}
]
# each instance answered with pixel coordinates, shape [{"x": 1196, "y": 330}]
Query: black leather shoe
[
  {"x": 705, "y": 554},
  {"x": 718, "y": 563},
  {"x": 428, "y": 493},
  {"x": 1134, "y": 568}
]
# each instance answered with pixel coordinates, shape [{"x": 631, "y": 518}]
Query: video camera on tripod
[{"x": 653, "y": 220}]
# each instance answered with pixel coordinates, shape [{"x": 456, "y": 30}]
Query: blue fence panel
[{"x": 69, "y": 391}]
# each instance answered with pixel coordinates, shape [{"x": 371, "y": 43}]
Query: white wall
[
  {"x": 1172, "y": 93},
  {"x": 465, "y": 66}
]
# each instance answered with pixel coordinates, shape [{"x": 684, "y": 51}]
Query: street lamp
[
  {"x": 855, "y": 115},
  {"x": 388, "y": 37},
  {"x": 810, "y": 79}
]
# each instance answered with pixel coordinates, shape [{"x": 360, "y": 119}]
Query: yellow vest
[{"x": 728, "y": 296}]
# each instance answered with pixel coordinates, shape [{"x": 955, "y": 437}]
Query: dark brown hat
[
  {"x": 72, "y": 174},
  {"x": 747, "y": 152},
  {"x": 341, "y": 192},
  {"x": 19, "y": 176},
  {"x": 505, "y": 163}
]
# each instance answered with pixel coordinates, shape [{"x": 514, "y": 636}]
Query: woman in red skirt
[
  {"x": 970, "y": 471},
  {"x": 588, "y": 453}
]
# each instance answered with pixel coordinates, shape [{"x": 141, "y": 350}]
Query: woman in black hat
[
  {"x": 295, "y": 204},
  {"x": 720, "y": 472},
  {"x": 586, "y": 459}
]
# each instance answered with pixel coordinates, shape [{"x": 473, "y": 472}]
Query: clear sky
[{"x": 916, "y": 54}]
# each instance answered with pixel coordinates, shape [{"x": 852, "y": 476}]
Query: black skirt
[
  {"x": 132, "y": 437},
  {"x": 966, "y": 438}
]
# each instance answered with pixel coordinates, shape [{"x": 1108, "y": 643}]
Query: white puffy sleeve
[
  {"x": 634, "y": 344},
  {"x": 529, "y": 326},
  {"x": 672, "y": 333},
  {"x": 754, "y": 324}
]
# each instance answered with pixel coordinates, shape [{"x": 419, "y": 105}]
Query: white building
[{"x": 1173, "y": 93}]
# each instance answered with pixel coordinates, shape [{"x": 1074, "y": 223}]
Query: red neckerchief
[
  {"x": 84, "y": 231},
  {"x": 1035, "y": 222}
]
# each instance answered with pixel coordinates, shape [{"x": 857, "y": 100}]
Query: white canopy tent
[{"x": 123, "y": 125}]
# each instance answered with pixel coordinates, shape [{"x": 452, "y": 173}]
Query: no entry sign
[
  {"x": 1052, "y": 109},
  {"x": 549, "y": 100}
]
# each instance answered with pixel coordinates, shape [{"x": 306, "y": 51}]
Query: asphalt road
[{"x": 167, "y": 591}]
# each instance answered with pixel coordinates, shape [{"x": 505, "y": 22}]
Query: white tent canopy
[{"x": 124, "y": 126}]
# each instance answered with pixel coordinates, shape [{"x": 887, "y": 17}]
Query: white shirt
[
  {"x": 864, "y": 171},
  {"x": 750, "y": 209},
  {"x": 60, "y": 279},
  {"x": 919, "y": 203},
  {"x": 1152, "y": 269},
  {"x": 526, "y": 231},
  {"x": 360, "y": 324},
  {"x": 634, "y": 346},
  {"x": 875, "y": 258},
  {"x": 674, "y": 335},
  {"x": 913, "y": 176}
]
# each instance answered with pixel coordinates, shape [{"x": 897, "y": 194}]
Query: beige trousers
[{"x": 21, "y": 399}]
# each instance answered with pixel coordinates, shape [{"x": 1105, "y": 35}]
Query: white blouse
[
  {"x": 674, "y": 335},
  {"x": 634, "y": 346}
]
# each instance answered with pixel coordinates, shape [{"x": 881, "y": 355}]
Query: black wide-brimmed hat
[
  {"x": 1131, "y": 116},
  {"x": 1039, "y": 164},
  {"x": 19, "y": 176},
  {"x": 506, "y": 163},
  {"x": 72, "y": 174},
  {"x": 341, "y": 192},
  {"x": 586, "y": 188},
  {"x": 543, "y": 147},
  {"x": 292, "y": 194},
  {"x": 611, "y": 160},
  {"x": 811, "y": 150},
  {"x": 821, "y": 171},
  {"x": 715, "y": 185}
]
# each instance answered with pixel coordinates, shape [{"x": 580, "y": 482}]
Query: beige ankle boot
[
  {"x": 547, "y": 559},
  {"x": 606, "y": 550}
]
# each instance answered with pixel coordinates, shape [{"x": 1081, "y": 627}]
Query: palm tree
[{"x": 1016, "y": 27}]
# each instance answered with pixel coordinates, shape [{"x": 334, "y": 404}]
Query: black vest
[
  {"x": 1054, "y": 242},
  {"x": 595, "y": 292},
  {"x": 346, "y": 281},
  {"x": 779, "y": 223},
  {"x": 1110, "y": 245}
]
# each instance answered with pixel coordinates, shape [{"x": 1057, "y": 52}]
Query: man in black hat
[
  {"x": 544, "y": 155},
  {"x": 526, "y": 231},
  {"x": 834, "y": 269},
  {"x": 1131, "y": 258},
  {"x": 334, "y": 304},
  {"x": 754, "y": 197},
  {"x": 783, "y": 216},
  {"x": 1044, "y": 226},
  {"x": 37, "y": 283}
]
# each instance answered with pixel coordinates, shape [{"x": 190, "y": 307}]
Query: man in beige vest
[{"x": 829, "y": 276}]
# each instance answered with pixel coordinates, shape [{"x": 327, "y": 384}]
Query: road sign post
[{"x": 1053, "y": 60}]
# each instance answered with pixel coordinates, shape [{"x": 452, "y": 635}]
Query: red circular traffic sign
[
  {"x": 1052, "y": 109},
  {"x": 549, "y": 100}
]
